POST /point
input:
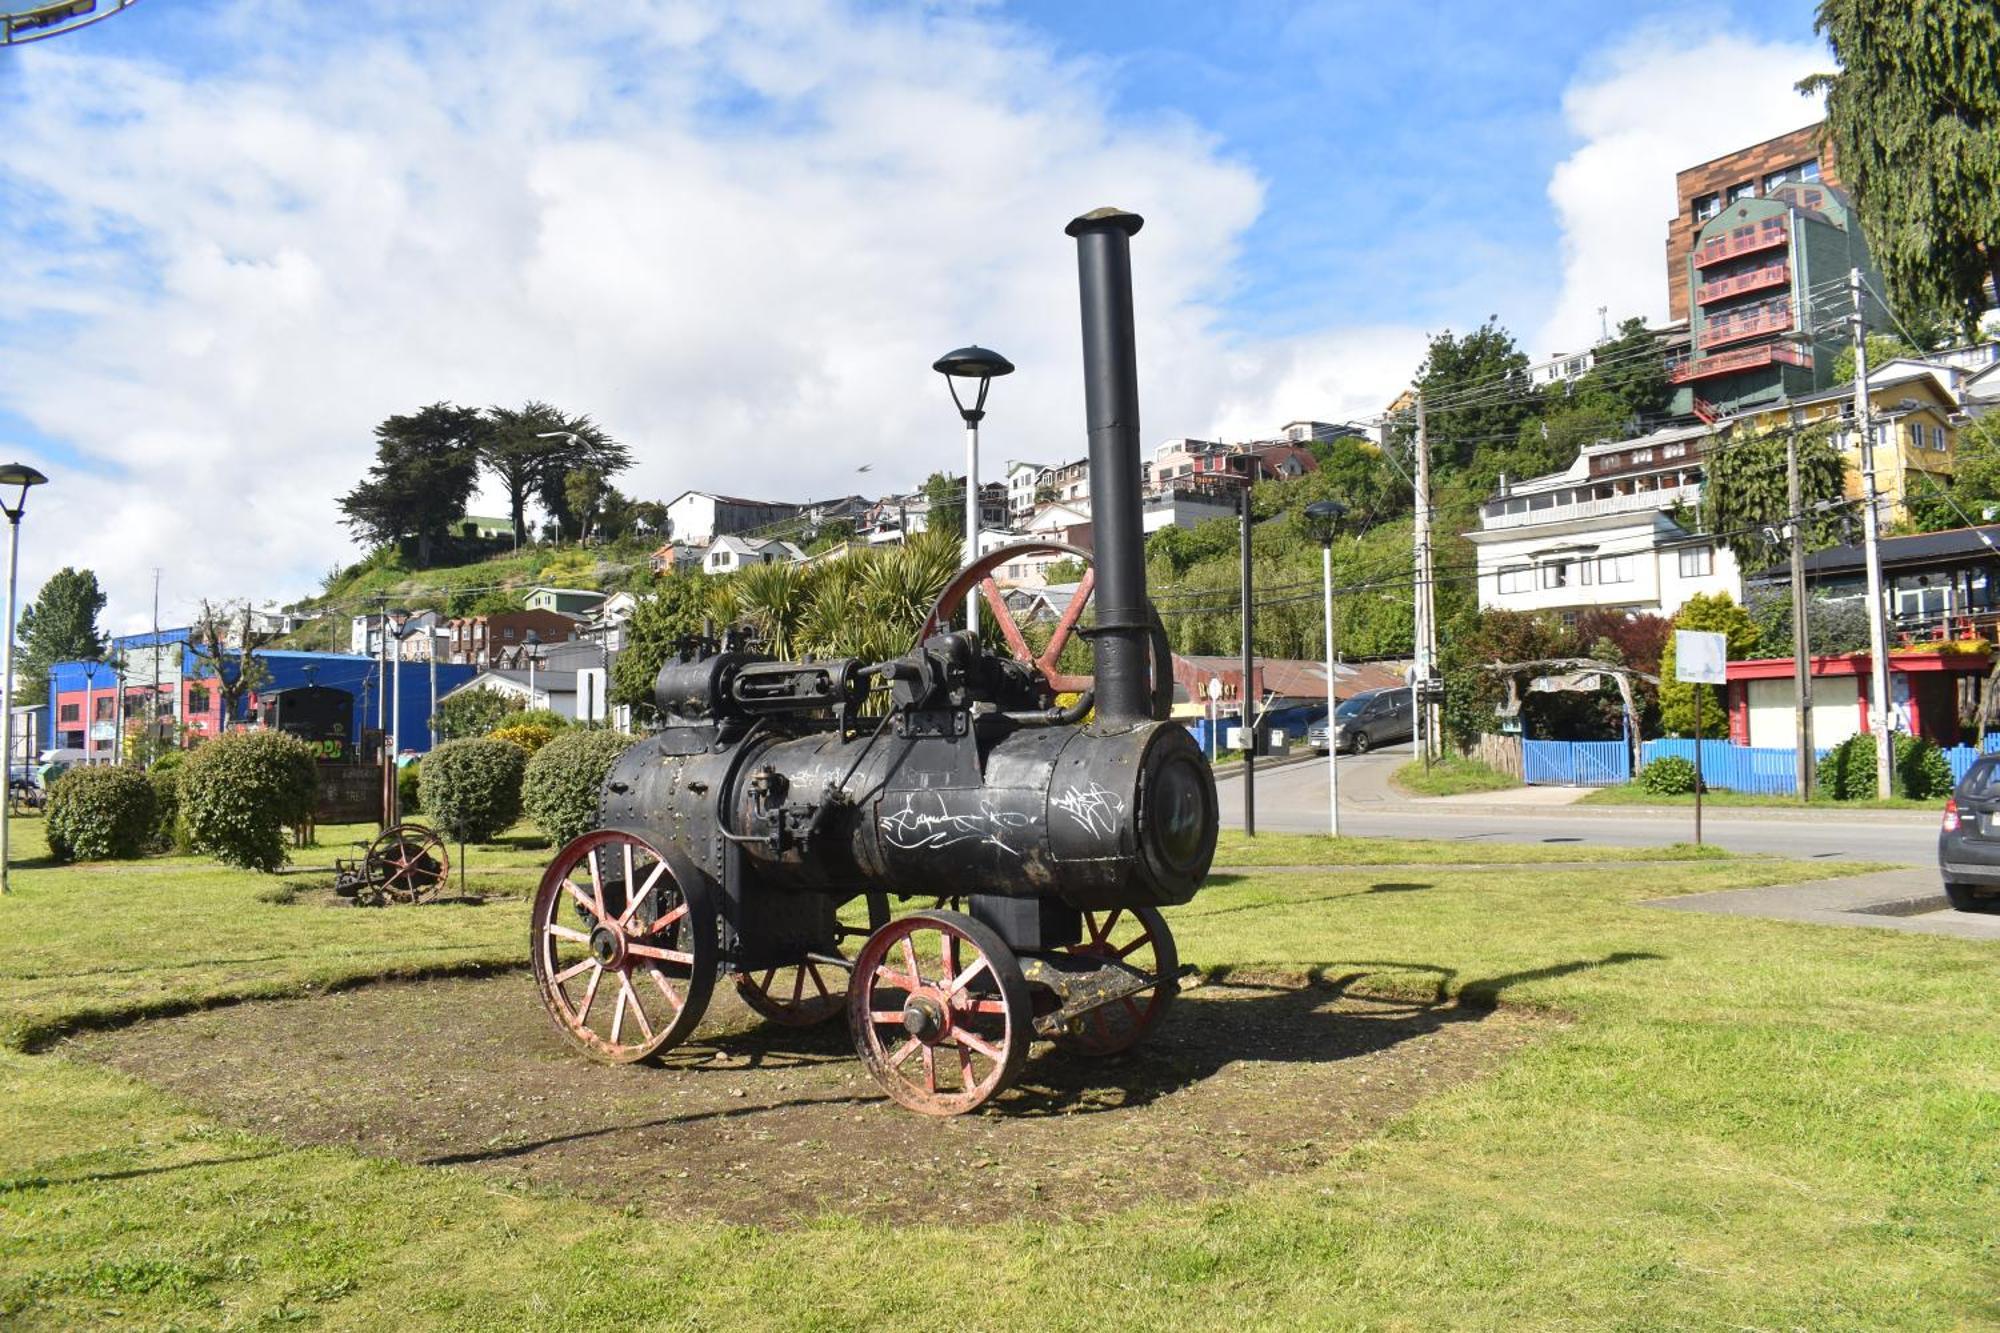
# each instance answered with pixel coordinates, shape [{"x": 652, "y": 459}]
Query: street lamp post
[
  {"x": 1325, "y": 516},
  {"x": 982, "y": 365},
  {"x": 90, "y": 665},
  {"x": 13, "y": 474},
  {"x": 531, "y": 642}
]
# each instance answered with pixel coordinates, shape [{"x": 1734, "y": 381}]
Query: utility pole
[
  {"x": 1871, "y": 536},
  {"x": 1426, "y": 629},
  {"x": 1247, "y": 695},
  {"x": 1801, "y": 634},
  {"x": 153, "y": 711}
]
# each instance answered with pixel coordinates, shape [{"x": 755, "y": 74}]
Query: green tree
[
  {"x": 59, "y": 626},
  {"x": 473, "y": 713},
  {"x": 672, "y": 612},
  {"x": 426, "y": 465},
  {"x": 585, "y": 491},
  {"x": 1631, "y": 371},
  {"x": 1716, "y": 613},
  {"x": 945, "y": 494},
  {"x": 1476, "y": 393},
  {"x": 1881, "y": 347},
  {"x": 1974, "y": 493},
  {"x": 1914, "y": 118},
  {"x": 1746, "y": 492}
]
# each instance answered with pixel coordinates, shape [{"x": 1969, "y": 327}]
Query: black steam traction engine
[{"x": 781, "y": 791}]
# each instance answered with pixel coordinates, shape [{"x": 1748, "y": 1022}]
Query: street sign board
[
  {"x": 1701, "y": 657},
  {"x": 1214, "y": 688}
]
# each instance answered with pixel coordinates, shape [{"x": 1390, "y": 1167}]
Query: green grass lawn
[
  {"x": 1453, "y": 775},
  {"x": 1631, "y": 793},
  {"x": 1742, "y": 1124}
]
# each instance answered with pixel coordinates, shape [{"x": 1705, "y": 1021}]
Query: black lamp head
[
  {"x": 1325, "y": 516},
  {"x": 972, "y": 363}
]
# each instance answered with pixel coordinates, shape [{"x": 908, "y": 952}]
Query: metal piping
[{"x": 1122, "y": 637}]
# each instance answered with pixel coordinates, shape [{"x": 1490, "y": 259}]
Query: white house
[
  {"x": 727, "y": 554},
  {"x": 1023, "y": 481},
  {"x": 699, "y": 517},
  {"x": 554, "y": 690},
  {"x": 1601, "y": 533}
]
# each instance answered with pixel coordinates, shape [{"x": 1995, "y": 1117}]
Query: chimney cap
[{"x": 1105, "y": 219}]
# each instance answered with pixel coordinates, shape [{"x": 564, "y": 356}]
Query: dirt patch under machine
[{"x": 753, "y": 1123}]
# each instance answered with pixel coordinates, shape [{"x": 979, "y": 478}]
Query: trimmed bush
[
  {"x": 98, "y": 813},
  {"x": 240, "y": 792},
  {"x": 1669, "y": 775},
  {"x": 547, "y": 718},
  {"x": 168, "y": 762},
  {"x": 409, "y": 789},
  {"x": 560, "y": 790},
  {"x": 1918, "y": 769},
  {"x": 530, "y": 736},
  {"x": 166, "y": 785},
  {"x": 472, "y": 788}
]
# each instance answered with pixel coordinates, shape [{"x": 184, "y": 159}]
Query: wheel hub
[
  {"x": 607, "y": 946},
  {"x": 926, "y": 1018}
]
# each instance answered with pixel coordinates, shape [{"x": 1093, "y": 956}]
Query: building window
[
  {"x": 1697, "y": 561},
  {"x": 1916, "y": 435},
  {"x": 1937, "y": 438},
  {"x": 1555, "y": 574},
  {"x": 1517, "y": 578},
  {"x": 107, "y": 707},
  {"x": 1742, "y": 190},
  {"x": 1706, "y": 206},
  {"x": 71, "y": 713},
  {"x": 1616, "y": 569},
  {"x": 1673, "y": 451},
  {"x": 1640, "y": 456},
  {"x": 197, "y": 699}
]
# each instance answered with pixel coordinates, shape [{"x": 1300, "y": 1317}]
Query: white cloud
[
  {"x": 1658, "y": 104},
  {"x": 738, "y": 236}
]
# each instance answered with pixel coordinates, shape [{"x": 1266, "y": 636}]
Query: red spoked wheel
[
  {"x": 624, "y": 951},
  {"x": 1138, "y": 938},
  {"x": 940, "y": 1012},
  {"x": 979, "y": 576},
  {"x": 406, "y": 863},
  {"x": 811, "y": 992}
]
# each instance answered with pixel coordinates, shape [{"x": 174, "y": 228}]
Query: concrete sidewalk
[{"x": 1908, "y": 900}]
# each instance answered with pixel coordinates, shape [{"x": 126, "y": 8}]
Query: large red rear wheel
[
  {"x": 624, "y": 951},
  {"x": 1134, "y": 937},
  {"x": 811, "y": 991},
  {"x": 977, "y": 578}
]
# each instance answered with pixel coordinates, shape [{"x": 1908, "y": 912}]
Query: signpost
[
  {"x": 1214, "y": 694},
  {"x": 1700, "y": 658}
]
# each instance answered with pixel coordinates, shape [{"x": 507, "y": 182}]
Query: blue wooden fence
[
  {"x": 1767, "y": 769},
  {"x": 1576, "y": 763}
]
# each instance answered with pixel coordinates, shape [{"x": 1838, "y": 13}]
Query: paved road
[{"x": 1291, "y": 798}]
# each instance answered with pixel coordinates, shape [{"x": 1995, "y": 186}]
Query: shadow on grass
[{"x": 19, "y": 1184}]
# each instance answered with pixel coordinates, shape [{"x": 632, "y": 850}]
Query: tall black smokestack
[{"x": 1122, "y": 641}]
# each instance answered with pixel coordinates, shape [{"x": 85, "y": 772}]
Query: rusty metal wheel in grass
[
  {"x": 813, "y": 990},
  {"x": 624, "y": 949},
  {"x": 940, "y": 1012},
  {"x": 1135, "y": 938},
  {"x": 406, "y": 864}
]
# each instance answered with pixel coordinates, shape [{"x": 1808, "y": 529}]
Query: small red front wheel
[
  {"x": 624, "y": 951},
  {"x": 940, "y": 1012}
]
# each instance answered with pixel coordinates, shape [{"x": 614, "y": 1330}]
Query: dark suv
[{"x": 1969, "y": 841}]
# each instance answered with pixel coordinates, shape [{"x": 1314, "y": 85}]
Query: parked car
[
  {"x": 1368, "y": 719},
  {"x": 1969, "y": 840}
]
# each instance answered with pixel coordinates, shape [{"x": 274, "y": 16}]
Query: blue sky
[
  {"x": 1407, "y": 146},
  {"x": 234, "y": 234}
]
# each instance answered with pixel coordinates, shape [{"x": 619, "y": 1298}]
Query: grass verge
[
  {"x": 1745, "y": 1124},
  {"x": 1631, "y": 793},
  {"x": 1453, "y": 775}
]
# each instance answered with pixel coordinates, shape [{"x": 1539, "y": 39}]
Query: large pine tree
[
  {"x": 1914, "y": 119},
  {"x": 61, "y": 626}
]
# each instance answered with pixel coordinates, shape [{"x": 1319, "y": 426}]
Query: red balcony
[
  {"x": 1743, "y": 358},
  {"x": 1756, "y": 280},
  {"x": 1744, "y": 240},
  {"x": 1739, "y": 327}
]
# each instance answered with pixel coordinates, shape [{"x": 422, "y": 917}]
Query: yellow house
[{"x": 1915, "y": 417}]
